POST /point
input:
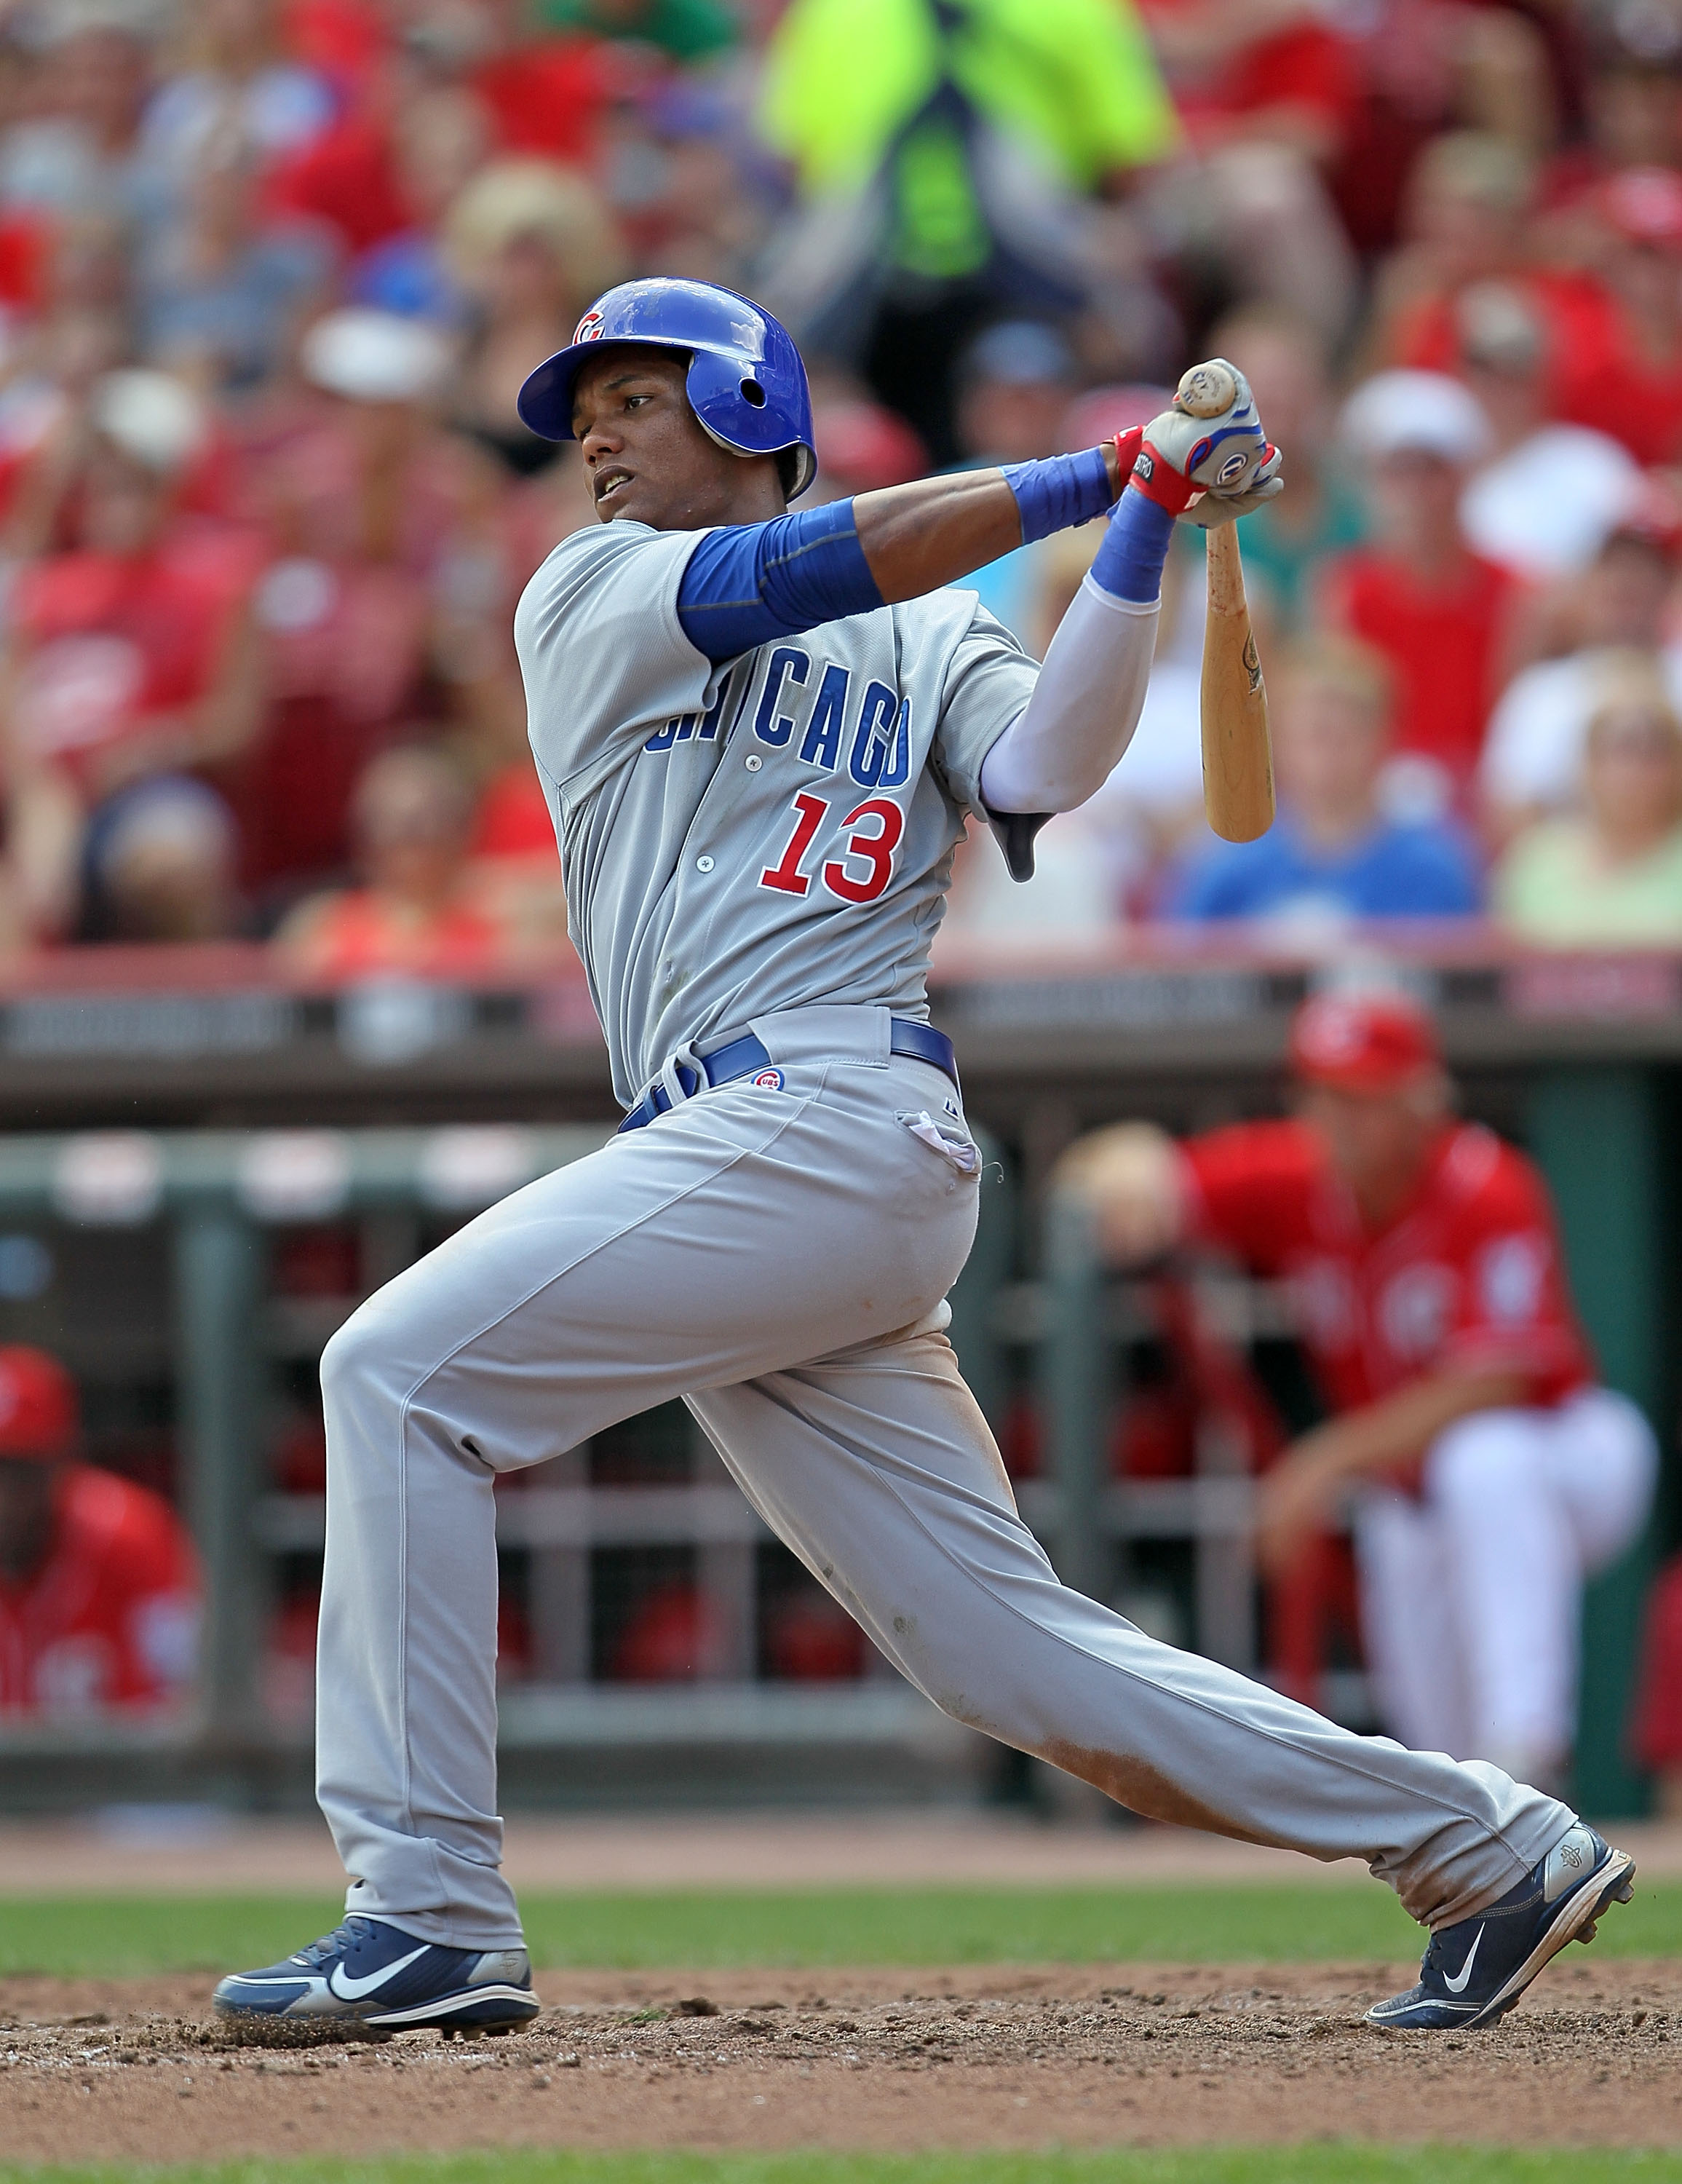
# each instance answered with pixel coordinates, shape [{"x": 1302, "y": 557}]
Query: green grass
[
  {"x": 119, "y": 1935},
  {"x": 1341, "y": 2163}
]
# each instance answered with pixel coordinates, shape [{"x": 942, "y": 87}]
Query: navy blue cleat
[
  {"x": 375, "y": 1974},
  {"x": 1475, "y": 1970}
]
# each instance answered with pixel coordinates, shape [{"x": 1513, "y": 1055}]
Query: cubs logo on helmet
[{"x": 588, "y": 328}]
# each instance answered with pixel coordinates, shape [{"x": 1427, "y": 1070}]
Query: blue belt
[{"x": 742, "y": 1056}]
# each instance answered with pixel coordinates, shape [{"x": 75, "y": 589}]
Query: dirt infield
[{"x": 996, "y": 2056}]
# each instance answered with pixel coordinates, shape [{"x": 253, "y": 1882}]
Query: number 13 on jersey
[{"x": 866, "y": 864}]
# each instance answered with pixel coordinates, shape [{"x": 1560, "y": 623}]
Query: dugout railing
[
  {"x": 215, "y": 1205},
  {"x": 218, "y": 1205}
]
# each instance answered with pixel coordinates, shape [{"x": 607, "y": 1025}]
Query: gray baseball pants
[{"x": 779, "y": 1258}]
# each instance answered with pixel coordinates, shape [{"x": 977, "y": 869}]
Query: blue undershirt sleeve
[
  {"x": 1128, "y": 563},
  {"x": 748, "y": 583},
  {"x": 1059, "y": 491}
]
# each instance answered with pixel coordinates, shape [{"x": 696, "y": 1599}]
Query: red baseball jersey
[
  {"x": 111, "y": 1618},
  {"x": 1469, "y": 1274}
]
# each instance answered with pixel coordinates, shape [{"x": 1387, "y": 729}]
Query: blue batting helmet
[{"x": 746, "y": 382}]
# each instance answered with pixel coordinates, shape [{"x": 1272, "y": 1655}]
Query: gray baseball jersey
[{"x": 761, "y": 835}]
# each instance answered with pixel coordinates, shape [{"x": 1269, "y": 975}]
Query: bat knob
[{"x": 1205, "y": 390}]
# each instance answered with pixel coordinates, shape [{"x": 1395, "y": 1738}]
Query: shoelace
[{"x": 341, "y": 1939}]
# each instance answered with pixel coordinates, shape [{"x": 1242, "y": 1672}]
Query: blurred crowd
[{"x": 271, "y": 273}]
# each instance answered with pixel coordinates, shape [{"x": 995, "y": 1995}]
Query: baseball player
[
  {"x": 99, "y": 1586},
  {"x": 1494, "y": 1476},
  {"x": 761, "y": 735}
]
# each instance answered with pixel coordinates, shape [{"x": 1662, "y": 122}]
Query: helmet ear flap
[{"x": 734, "y": 404}]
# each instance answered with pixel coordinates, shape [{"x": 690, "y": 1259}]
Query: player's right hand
[
  {"x": 1226, "y": 459},
  {"x": 1264, "y": 485},
  {"x": 1130, "y": 1178}
]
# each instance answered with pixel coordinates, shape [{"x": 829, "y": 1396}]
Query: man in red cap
[
  {"x": 99, "y": 1596},
  {"x": 1489, "y": 1474}
]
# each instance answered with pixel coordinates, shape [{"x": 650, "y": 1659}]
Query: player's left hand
[
  {"x": 1211, "y": 470},
  {"x": 1295, "y": 1500}
]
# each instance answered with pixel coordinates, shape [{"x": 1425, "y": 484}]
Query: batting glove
[{"x": 1208, "y": 470}]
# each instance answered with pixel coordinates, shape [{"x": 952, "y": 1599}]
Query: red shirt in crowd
[
  {"x": 544, "y": 101},
  {"x": 360, "y": 932},
  {"x": 111, "y": 642},
  {"x": 514, "y": 817},
  {"x": 1573, "y": 310},
  {"x": 111, "y": 1619},
  {"x": 344, "y": 40},
  {"x": 348, "y": 178},
  {"x": 1596, "y": 374},
  {"x": 546, "y": 97},
  {"x": 346, "y": 648},
  {"x": 1469, "y": 1275},
  {"x": 1307, "y": 64},
  {"x": 1443, "y": 642},
  {"x": 1614, "y": 389}
]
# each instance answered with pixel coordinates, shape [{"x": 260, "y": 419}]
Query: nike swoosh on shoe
[
  {"x": 1457, "y": 1985},
  {"x": 355, "y": 1989}
]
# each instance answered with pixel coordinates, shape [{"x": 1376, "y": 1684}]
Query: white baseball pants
[
  {"x": 781, "y": 1259},
  {"x": 1471, "y": 1595}
]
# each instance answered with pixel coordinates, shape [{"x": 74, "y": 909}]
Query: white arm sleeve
[{"x": 1085, "y": 706}]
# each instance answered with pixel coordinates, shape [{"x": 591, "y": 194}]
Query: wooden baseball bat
[{"x": 1237, "y": 751}]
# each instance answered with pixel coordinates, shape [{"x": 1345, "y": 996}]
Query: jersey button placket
[
  {"x": 753, "y": 761},
  {"x": 704, "y": 864}
]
